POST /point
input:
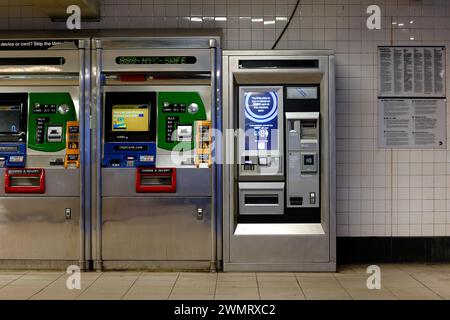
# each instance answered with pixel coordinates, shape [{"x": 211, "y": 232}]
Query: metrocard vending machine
[
  {"x": 156, "y": 110},
  {"x": 42, "y": 98},
  {"x": 280, "y": 161}
]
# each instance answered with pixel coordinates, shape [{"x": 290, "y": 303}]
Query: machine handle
[
  {"x": 156, "y": 180},
  {"x": 25, "y": 181}
]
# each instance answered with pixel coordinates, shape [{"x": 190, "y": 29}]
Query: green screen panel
[
  {"x": 47, "y": 117},
  {"x": 175, "y": 114}
]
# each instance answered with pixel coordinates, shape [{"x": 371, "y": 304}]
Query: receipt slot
[
  {"x": 280, "y": 179},
  {"x": 25, "y": 181},
  {"x": 44, "y": 93},
  {"x": 156, "y": 98},
  {"x": 156, "y": 180}
]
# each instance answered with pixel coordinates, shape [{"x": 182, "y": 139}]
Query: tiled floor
[{"x": 401, "y": 281}]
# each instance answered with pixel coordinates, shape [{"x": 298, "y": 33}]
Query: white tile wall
[{"x": 379, "y": 192}]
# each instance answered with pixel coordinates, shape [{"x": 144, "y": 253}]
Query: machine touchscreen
[
  {"x": 261, "y": 120},
  {"x": 130, "y": 118},
  {"x": 130, "y": 129},
  {"x": 10, "y": 115}
]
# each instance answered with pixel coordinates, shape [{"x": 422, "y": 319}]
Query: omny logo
[
  {"x": 74, "y": 280},
  {"x": 374, "y": 280}
]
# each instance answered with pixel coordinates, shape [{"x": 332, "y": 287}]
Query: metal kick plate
[
  {"x": 37, "y": 228},
  {"x": 143, "y": 228}
]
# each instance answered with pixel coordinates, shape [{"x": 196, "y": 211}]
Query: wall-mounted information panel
[
  {"x": 411, "y": 71},
  {"x": 412, "y": 123},
  {"x": 411, "y": 98}
]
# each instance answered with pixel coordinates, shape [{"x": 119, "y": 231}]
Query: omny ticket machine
[
  {"x": 156, "y": 107},
  {"x": 279, "y": 175},
  {"x": 42, "y": 98}
]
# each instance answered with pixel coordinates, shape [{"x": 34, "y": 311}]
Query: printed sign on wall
[
  {"x": 411, "y": 97},
  {"x": 412, "y": 123},
  {"x": 411, "y": 72}
]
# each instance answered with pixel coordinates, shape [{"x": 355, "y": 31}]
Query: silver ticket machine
[
  {"x": 156, "y": 98},
  {"x": 44, "y": 88},
  {"x": 279, "y": 172}
]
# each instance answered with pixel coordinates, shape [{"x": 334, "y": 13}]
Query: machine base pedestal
[
  {"x": 158, "y": 265},
  {"x": 282, "y": 267},
  {"x": 32, "y": 264}
]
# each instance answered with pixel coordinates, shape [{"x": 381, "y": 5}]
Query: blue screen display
[{"x": 261, "y": 120}]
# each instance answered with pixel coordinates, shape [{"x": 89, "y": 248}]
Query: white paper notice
[
  {"x": 412, "y": 123},
  {"x": 411, "y": 72}
]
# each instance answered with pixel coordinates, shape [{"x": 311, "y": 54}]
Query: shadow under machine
[
  {"x": 279, "y": 178},
  {"x": 156, "y": 98},
  {"x": 42, "y": 98}
]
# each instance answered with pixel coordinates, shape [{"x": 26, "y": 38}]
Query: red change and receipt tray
[
  {"x": 25, "y": 180},
  {"x": 149, "y": 180}
]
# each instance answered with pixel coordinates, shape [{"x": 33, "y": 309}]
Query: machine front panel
[
  {"x": 59, "y": 182},
  {"x": 158, "y": 209},
  {"x": 280, "y": 248},
  {"x": 190, "y": 182},
  {"x": 156, "y": 228},
  {"x": 279, "y": 220},
  {"x": 39, "y": 228},
  {"x": 279, "y": 145},
  {"x": 42, "y": 205}
]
